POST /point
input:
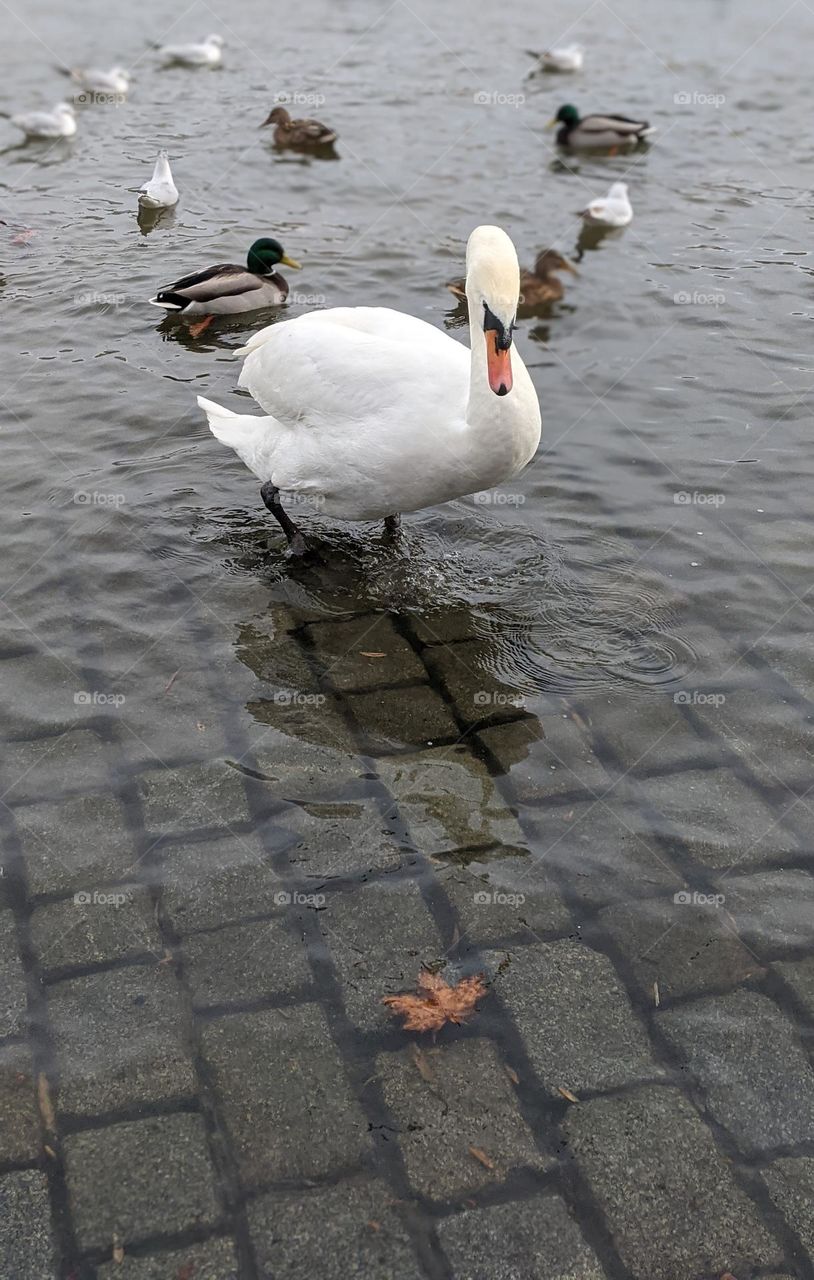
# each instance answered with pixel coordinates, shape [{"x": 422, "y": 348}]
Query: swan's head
[
  {"x": 265, "y": 255},
  {"x": 618, "y": 191},
  {"x": 65, "y": 109},
  {"x": 121, "y": 73},
  {"x": 216, "y": 40},
  {"x": 493, "y": 291}
]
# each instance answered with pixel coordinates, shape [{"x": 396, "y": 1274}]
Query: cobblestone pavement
[{"x": 198, "y": 1079}]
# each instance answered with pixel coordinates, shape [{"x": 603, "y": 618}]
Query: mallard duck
[
  {"x": 372, "y": 412},
  {"x": 92, "y": 80},
  {"x": 298, "y": 133},
  {"x": 207, "y": 53},
  {"x": 226, "y": 290},
  {"x": 537, "y": 287},
  {"x": 59, "y": 123},
  {"x": 605, "y": 132},
  {"x": 612, "y": 210},
  {"x": 160, "y": 192},
  {"x": 567, "y": 57}
]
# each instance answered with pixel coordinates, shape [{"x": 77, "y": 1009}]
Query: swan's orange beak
[{"x": 498, "y": 364}]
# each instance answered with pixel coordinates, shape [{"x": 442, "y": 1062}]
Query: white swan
[
  {"x": 612, "y": 210},
  {"x": 373, "y": 412},
  {"x": 160, "y": 192},
  {"x": 564, "y": 58},
  {"x": 59, "y": 123},
  {"x": 94, "y": 80},
  {"x": 206, "y": 53}
]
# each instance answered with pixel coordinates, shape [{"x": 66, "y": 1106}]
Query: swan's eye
[{"x": 503, "y": 335}]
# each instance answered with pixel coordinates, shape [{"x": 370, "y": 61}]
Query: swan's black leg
[
  {"x": 392, "y": 525},
  {"x": 271, "y": 496}
]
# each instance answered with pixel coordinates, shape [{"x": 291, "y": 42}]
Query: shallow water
[{"x": 646, "y": 580}]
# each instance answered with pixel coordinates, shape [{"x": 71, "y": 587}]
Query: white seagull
[
  {"x": 612, "y": 210},
  {"x": 207, "y": 53},
  {"x": 160, "y": 192},
  {"x": 372, "y": 412},
  {"x": 93, "y": 80},
  {"x": 566, "y": 57},
  {"x": 59, "y": 123}
]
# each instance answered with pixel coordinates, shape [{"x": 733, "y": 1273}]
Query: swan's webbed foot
[
  {"x": 297, "y": 544},
  {"x": 392, "y": 526}
]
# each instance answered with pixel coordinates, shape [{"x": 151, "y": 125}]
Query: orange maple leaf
[{"x": 438, "y": 1002}]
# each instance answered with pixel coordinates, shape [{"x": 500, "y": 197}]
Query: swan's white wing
[{"x": 355, "y": 365}]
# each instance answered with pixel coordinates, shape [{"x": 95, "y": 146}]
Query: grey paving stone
[
  {"x": 341, "y": 648},
  {"x": 652, "y": 733},
  {"x": 545, "y": 757},
  {"x": 687, "y": 947},
  {"x": 799, "y": 974},
  {"x": 667, "y": 1194},
  {"x": 13, "y": 1002},
  {"x": 318, "y": 764},
  {"x": 209, "y": 794},
  {"x": 772, "y": 910},
  {"x": 96, "y": 926},
  {"x": 390, "y": 719},
  {"x": 214, "y": 1260},
  {"x": 340, "y": 838},
  {"x": 39, "y": 691},
  {"x": 522, "y": 1241},
  {"x": 468, "y": 1102},
  {"x": 723, "y": 823},
  {"x": 475, "y": 693},
  {"x": 443, "y": 628},
  {"x": 42, "y": 768},
  {"x": 564, "y": 984},
  {"x": 215, "y": 882},
  {"x": 449, "y": 800},
  {"x": 19, "y": 1123},
  {"x": 378, "y": 936},
  {"x": 139, "y": 1179},
  {"x": 244, "y": 962},
  {"x": 774, "y": 738},
  {"x": 118, "y": 1037},
  {"x": 26, "y": 1246},
  {"x": 78, "y": 843},
  {"x": 595, "y": 847},
  {"x": 346, "y": 1232},
  {"x": 751, "y": 1066},
  {"x": 504, "y": 902},
  {"x": 791, "y": 1186},
  {"x": 284, "y": 1096}
]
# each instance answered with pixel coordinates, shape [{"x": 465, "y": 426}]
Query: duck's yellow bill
[
  {"x": 498, "y": 366},
  {"x": 291, "y": 262},
  {"x": 551, "y": 123}
]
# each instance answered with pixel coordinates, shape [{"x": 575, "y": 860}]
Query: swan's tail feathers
[
  {"x": 256, "y": 340},
  {"x": 242, "y": 432}
]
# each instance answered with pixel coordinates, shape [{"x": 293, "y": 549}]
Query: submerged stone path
[{"x": 198, "y": 1079}]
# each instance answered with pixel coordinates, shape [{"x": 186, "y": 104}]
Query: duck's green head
[
  {"x": 566, "y": 115},
  {"x": 265, "y": 255}
]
